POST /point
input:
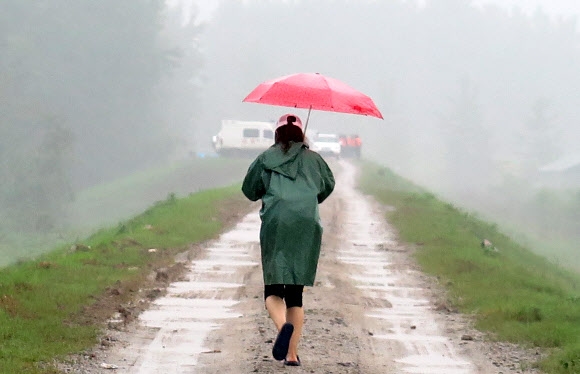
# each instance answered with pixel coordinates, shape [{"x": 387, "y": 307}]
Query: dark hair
[{"x": 288, "y": 133}]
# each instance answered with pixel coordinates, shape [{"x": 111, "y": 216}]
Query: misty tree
[
  {"x": 468, "y": 147},
  {"x": 40, "y": 187},
  {"x": 85, "y": 79},
  {"x": 178, "y": 93},
  {"x": 541, "y": 147}
]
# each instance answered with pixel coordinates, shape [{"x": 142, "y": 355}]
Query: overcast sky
[
  {"x": 565, "y": 8},
  {"x": 556, "y": 7}
]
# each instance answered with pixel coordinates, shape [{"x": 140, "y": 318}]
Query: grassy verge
[
  {"x": 515, "y": 295},
  {"x": 125, "y": 197},
  {"x": 108, "y": 203},
  {"x": 44, "y": 303}
]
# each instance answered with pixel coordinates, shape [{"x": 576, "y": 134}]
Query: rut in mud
[{"x": 370, "y": 311}]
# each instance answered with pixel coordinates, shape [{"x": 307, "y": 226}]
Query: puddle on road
[
  {"x": 411, "y": 320},
  {"x": 191, "y": 309}
]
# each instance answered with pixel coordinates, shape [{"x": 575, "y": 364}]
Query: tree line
[{"x": 87, "y": 93}]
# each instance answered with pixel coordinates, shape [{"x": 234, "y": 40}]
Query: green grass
[
  {"x": 514, "y": 294},
  {"x": 42, "y": 301}
]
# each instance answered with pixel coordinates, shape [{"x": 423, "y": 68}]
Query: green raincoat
[{"x": 291, "y": 185}]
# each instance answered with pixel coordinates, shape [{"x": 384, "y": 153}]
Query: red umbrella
[{"x": 313, "y": 91}]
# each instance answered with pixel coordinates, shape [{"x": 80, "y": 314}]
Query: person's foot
[
  {"x": 280, "y": 349},
  {"x": 292, "y": 362}
]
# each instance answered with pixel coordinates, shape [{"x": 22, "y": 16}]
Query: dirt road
[{"x": 371, "y": 310}]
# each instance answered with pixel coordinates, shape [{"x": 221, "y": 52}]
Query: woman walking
[{"x": 291, "y": 181}]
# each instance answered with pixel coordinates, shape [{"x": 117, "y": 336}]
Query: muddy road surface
[{"x": 370, "y": 311}]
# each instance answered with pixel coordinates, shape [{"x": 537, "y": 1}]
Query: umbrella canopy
[{"x": 313, "y": 91}]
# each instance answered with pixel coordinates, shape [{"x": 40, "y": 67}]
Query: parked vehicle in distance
[
  {"x": 350, "y": 145},
  {"x": 243, "y": 138},
  {"x": 326, "y": 145}
]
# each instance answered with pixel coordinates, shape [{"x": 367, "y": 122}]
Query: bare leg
[
  {"x": 276, "y": 308},
  {"x": 295, "y": 315}
]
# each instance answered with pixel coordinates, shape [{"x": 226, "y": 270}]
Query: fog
[{"x": 477, "y": 99}]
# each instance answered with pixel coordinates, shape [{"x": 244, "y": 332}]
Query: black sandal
[
  {"x": 292, "y": 363},
  {"x": 282, "y": 343}
]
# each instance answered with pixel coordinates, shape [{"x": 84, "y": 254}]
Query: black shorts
[{"x": 290, "y": 293}]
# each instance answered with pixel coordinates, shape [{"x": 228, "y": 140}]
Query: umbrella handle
[{"x": 307, "y": 118}]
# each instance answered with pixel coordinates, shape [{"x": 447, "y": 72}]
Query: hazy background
[{"x": 477, "y": 98}]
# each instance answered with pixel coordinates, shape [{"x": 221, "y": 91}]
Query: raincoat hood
[{"x": 283, "y": 163}]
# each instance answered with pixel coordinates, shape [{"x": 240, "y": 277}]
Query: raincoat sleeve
[
  {"x": 253, "y": 186},
  {"x": 327, "y": 182}
]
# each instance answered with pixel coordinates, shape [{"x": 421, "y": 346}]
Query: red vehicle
[{"x": 350, "y": 145}]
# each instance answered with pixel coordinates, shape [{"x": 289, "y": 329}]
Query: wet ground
[{"x": 370, "y": 311}]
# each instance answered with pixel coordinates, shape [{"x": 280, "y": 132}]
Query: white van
[
  {"x": 243, "y": 138},
  {"x": 326, "y": 145}
]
